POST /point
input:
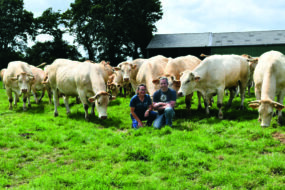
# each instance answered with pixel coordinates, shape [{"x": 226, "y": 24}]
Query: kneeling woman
[{"x": 141, "y": 108}]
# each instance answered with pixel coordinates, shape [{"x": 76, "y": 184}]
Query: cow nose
[
  {"x": 24, "y": 90},
  {"x": 126, "y": 79},
  {"x": 103, "y": 117},
  {"x": 180, "y": 94}
]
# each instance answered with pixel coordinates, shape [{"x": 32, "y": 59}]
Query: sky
[{"x": 198, "y": 16}]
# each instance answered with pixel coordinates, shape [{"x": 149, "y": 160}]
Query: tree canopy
[
  {"x": 110, "y": 30},
  {"x": 113, "y": 29}
]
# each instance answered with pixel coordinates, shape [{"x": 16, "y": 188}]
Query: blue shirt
[{"x": 140, "y": 107}]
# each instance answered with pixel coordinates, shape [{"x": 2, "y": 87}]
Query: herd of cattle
[{"x": 92, "y": 82}]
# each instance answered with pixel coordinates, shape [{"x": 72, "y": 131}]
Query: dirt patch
[{"x": 279, "y": 136}]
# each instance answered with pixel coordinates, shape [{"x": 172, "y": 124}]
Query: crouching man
[{"x": 164, "y": 101}]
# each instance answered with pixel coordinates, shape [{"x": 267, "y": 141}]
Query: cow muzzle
[
  {"x": 180, "y": 94},
  {"x": 24, "y": 90},
  {"x": 126, "y": 79},
  {"x": 103, "y": 117}
]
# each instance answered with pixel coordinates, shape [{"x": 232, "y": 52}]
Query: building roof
[{"x": 186, "y": 40}]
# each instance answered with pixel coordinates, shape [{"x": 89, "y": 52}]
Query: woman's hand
[{"x": 146, "y": 114}]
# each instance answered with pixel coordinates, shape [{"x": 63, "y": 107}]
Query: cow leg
[
  {"x": 280, "y": 100},
  {"x": 35, "y": 96},
  {"x": 24, "y": 101},
  {"x": 49, "y": 95},
  {"x": 199, "y": 100},
  {"x": 43, "y": 94},
  {"x": 10, "y": 98},
  {"x": 220, "y": 94},
  {"x": 86, "y": 111},
  {"x": 232, "y": 95},
  {"x": 242, "y": 94},
  {"x": 92, "y": 109},
  {"x": 188, "y": 99},
  {"x": 206, "y": 104},
  {"x": 56, "y": 102},
  {"x": 66, "y": 102}
]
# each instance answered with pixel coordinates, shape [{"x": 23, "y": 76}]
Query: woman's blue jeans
[{"x": 164, "y": 119}]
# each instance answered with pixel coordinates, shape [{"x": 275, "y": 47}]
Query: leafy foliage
[
  {"x": 113, "y": 29},
  {"x": 16, "y": 26}
]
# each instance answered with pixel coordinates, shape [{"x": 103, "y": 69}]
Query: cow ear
[
  {"x": 177, "y": 83},
  {"x": 155, "y": 81},
  {"x": 92, "y": 99},
  {"x": 14, "y": 78},
  {"x": 278, "y": 106},
  {"x": 194, "y": 77},
  {"x": 254, "y": 104},
  {"x": 133, "y": 66},
  {"x": 117, "y": 68}
]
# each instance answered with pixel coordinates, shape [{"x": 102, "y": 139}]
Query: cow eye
[
  {"x": 99, "y": 103},
  {"x": 187, "y": 81}
]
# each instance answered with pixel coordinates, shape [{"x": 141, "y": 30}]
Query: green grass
[{"x": 39, "y": 151}]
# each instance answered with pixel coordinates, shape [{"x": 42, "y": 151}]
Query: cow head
[
  {"x": 188, "y": 80},
  {"x": 266, "y": 110},
  {"x": 101, "y": 100},
  {"x": 24, "y": 81},
  {"x": 126, "y": 69}
]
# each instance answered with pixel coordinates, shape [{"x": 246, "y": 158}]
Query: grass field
[{"x": 39, "y": 151}]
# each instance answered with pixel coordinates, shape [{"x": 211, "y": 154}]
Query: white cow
[
  {"x": 150, "y": 70},
  {"x": 174, "y": 68},
  {"x": 129, "y": 71},
  {"x": 86, "y": 80},
  {"x": 18, "y": 79},
  {"x": 2, "y": 76},
  {"x": 215, "y": 74},
  {"x": 37, "y": 84},
  {"x": 269, "y": 82}
]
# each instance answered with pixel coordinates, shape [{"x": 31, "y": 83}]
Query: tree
[
  {"x": 113, "y": 29},
  {"x": 16, "y": 26},
  {"x": 51, "y": 23}
]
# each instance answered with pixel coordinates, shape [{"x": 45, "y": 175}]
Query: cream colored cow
[
  {"x": 150, "y": 70},
  {"x": 173, "y": 70},
  {"x": 215, "y": 74},
  {"x": 2, "y": 76},
  {"x": 88, "y": 81},
  {"x": 18, "y": 79},
  {"x": 269, "y": 82}
]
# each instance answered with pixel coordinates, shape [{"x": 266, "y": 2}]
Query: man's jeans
[
  {"x": 164, "y": 119},
  {"x": 151, "y": 117}
]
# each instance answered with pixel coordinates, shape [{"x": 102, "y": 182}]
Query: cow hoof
[
  {"x": 87, "y": 119},
  {"x": 68, "y": 112},
  {"x": 241, "y": 108},
  {"x": 10, "y": 108},
  {"x": 55, "y": 114},
  {"x": 24, "y": 109},
  {"x": 199, "y": 107},
  {"x": 29, "y": 106}
]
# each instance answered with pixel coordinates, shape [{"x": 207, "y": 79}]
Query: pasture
[{"x": 39, "y": 151}]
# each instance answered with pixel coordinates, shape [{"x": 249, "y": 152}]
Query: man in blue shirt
[
  {"x": 141, "y": 108},
  {"x": 164, "y": 101}
]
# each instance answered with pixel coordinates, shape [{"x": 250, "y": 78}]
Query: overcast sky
[{"x": 199, "y": 16}]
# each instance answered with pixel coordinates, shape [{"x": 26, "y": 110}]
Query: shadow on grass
[{"x": 106, "y": 123}]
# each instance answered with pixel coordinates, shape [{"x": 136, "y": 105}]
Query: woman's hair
[{"x": 139, "y": 87}]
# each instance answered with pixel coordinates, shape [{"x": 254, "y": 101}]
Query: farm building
[{"x": 253, "y": 43}]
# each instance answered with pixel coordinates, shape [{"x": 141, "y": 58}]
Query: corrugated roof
[
  {"x": 179, "y": 40},
  {"x": 217, "y": 39}
]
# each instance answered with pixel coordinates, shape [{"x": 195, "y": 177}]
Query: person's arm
[
  {"x": 146, "y": 114},
  {"x": 136, "y": 117}
]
